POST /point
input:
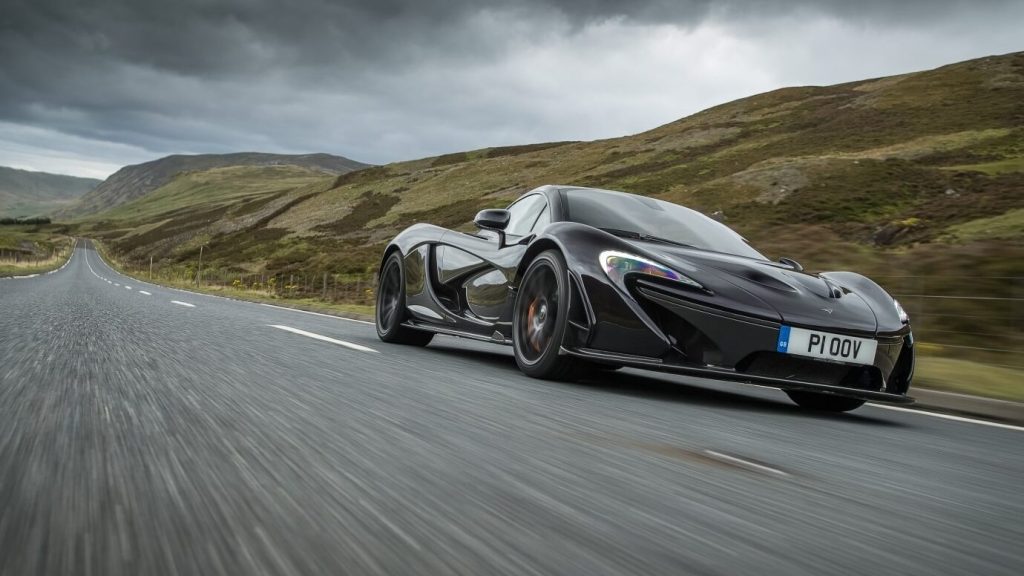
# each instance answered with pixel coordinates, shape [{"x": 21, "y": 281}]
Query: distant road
[{"x": 152, "y": 431}]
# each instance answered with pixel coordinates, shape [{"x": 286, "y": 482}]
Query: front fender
[
  {"x": 880, "y": 301},
  {"x": 618, "y": 323},
  {"x": 408, "y": 239}
]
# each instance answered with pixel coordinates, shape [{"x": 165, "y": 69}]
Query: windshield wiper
[{"x": 647, "y": 237}]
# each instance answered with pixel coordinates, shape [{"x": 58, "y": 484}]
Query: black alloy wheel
[
  {"x": 540, "y": 317},
  {"x": 390, "y": 310}
]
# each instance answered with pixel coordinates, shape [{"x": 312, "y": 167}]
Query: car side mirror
[
  {"x": 492, "y": 219},
  {"x": 792, "y": 264},
  {"x": 495, "y": 220}
]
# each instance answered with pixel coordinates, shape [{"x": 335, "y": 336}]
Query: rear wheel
[
  {"x": 540, "y": 317},
  {"x": 824, "y": 402},
  {"x": 390, "y": 312}
]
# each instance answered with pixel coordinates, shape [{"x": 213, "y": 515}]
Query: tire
[
  {"x": 390, "y": 311},
  {"x": 824, "y": 402},
  {"x": 540, "y": 317}
]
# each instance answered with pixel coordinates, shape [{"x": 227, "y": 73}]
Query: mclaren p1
[{"x": 581, "y": 279}]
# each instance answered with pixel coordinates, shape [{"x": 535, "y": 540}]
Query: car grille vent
[{"x": 775, "y": 365}]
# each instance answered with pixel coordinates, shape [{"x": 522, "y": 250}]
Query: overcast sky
[{"x": 88, "y": 86}]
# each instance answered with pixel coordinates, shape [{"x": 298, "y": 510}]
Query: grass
[
  {"x": 33, "y": 249},
  {"x": 993, "y": 168},
  {"x": 216, "y": 187},
  {"x": 1009, "y": 225},
  {"x": 969, "y": 377},
  {"x": 11, "y": 268},
  {"x": 265, "y": 295}
]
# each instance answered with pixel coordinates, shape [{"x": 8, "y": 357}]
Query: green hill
[
  {"x": 136, "y": 181},
  {"x": 25, "y": 193},
  {"x": 914, "y": 175}
]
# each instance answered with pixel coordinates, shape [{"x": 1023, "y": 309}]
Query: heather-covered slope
[
  {"x": 132, "y": 182},
  {"x": 913, "y": 175}
]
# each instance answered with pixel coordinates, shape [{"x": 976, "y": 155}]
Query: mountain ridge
[
  {"x": 26, "y": 193},
  {"x": 137, "y": 180}
]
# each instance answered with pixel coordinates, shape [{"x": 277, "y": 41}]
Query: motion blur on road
[{"x": 145, "y": 430}]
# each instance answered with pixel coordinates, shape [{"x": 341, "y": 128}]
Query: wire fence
[
  {"x": 328, "y": 287},
  {"x": 975, "y": 316}
]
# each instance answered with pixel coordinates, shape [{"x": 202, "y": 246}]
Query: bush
[{"x": 36, "y": 220}]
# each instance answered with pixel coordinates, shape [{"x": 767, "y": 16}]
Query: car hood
[{"x": 798, "y": 298}]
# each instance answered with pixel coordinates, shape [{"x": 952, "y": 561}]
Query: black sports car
[{"x": 579, "y": 279}]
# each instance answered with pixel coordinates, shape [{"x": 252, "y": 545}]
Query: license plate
[{"x": 825, "y": 346}]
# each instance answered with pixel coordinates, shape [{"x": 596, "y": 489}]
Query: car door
[{"x": 475, "y": 270}]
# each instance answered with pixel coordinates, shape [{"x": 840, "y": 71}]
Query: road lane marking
[
  {"x": 950, "y": 417},
  {"x": 745, "y": 463},
  {"x": 179, "y": 303},
  {"x": 144, "y": 292},
  {"x": 127, "y": 287},
  {"x": 117, "y": 284},
  {"x": 316, "y": 336},
  {"x": 232, "y": 299},
  {"x": 315, "y": 313}
]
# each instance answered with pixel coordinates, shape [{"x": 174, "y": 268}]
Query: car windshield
[{"x": 641, "y": 217}]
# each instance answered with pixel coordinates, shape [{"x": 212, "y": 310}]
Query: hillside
[
  {"x": 914, "y": 175},
  {"x": 136, "y": 181},
  {"x": 26, "y": 193}
]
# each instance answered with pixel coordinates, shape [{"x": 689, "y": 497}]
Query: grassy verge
[
  {"x": 967, "y": 377},
  {"x": 342, "y": 309},
  {"x": 60, "y": 251}
]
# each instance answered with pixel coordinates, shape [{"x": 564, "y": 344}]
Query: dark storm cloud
[{"x": 375, "y": 79}]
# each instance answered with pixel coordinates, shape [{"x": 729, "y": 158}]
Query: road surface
[{"x": 146, "y": 430}]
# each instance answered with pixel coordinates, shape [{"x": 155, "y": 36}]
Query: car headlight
[
  {"x": 618, "y": 264},
  {"x": 899, "y": 310}
]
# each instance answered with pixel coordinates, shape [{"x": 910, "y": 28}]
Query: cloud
[{"x": 384, "y": 80}]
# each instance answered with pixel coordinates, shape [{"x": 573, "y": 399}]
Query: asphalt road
[{"x": 152, "y": 431}]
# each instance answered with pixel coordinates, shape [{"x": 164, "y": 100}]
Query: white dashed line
[
  {"x": 179, "y": 303},
  {"x": 745, "y": 463},
  {"x": 127, "y": 287},
  {"x": 315, "y": 336},
  {"x": 117, "y": 284},
  {"x": 144, "y": 292},
  {"x": 950, "y": 417}
]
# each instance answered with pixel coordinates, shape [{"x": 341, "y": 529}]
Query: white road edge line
[
  {"x": 949, "y": 417},
  {"x": 234, "y": 299},
  {"x": 316, "y": 336},
  {"x": 179, "y": 303},
  {"x": 144, "y": 292},
  {"x": 227, "y": 297},
  {"x": 745, "y": 463},
  {"x": 315, "y": 313}
]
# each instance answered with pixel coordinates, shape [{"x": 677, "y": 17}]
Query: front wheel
[
  {"x": 539, "y": 319},
  {"x": 390, "y": 311},
  {"x": 824, "y": 402}
]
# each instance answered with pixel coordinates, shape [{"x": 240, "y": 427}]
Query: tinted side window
[
  {"x": 543, "y": 220},
  {"x": 523, "y": 214}
]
